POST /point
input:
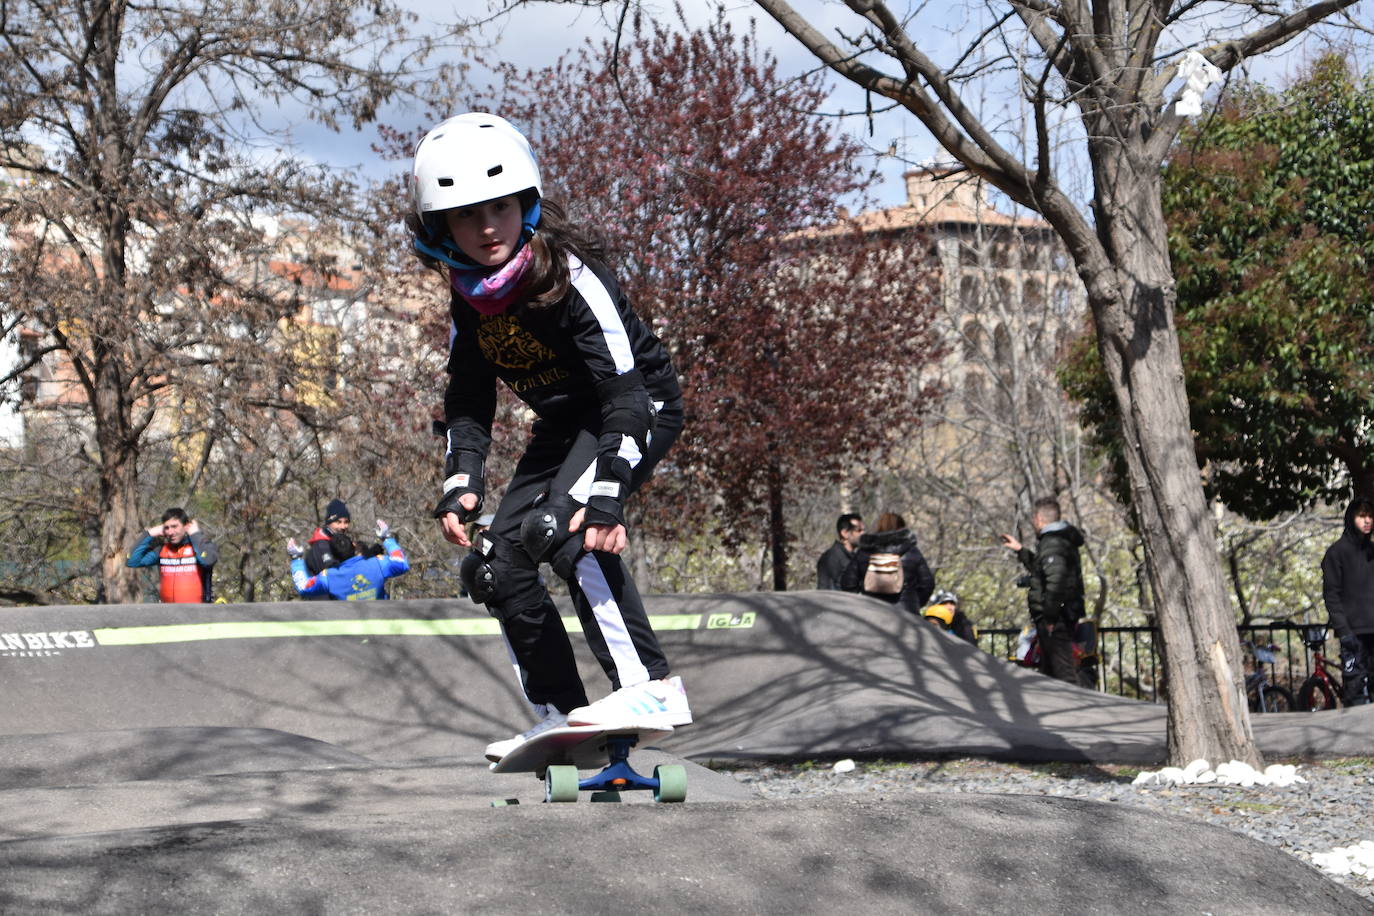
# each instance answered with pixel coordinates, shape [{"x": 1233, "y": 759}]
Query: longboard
[{"x": 557, "y": 754}]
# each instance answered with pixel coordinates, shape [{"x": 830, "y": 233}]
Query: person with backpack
[
  {"x": 1054, "y": 577},
  {"x": 888, "y": 566},
  {"x": 532, "y": 304}
]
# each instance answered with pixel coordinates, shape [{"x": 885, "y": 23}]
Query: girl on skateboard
[{"x": 532, "y": 305}]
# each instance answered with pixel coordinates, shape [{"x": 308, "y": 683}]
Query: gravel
[{"x": 1334, "y": 808}]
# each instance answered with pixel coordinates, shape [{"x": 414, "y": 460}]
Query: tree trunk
[
  {"x": 120, "y": 527},
  {"x": 120, "y": 530},
  {"x": 1357, "y": 464},
  {"x": 1134, "y": 315},
  {"x": 777, "y": 527}
]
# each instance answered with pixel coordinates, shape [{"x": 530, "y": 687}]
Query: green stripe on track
[
  {"x": 281, "y": 629},
  {"x": 277, "y": 629}
]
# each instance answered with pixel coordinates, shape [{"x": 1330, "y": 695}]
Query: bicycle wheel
[
  {"x": 1315, "y": 695},
  {"x": 1278, "y": 699}
]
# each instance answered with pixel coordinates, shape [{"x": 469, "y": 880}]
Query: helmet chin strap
[{"x": 444, "y": 251}]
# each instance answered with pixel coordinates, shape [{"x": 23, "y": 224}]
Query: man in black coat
[
  {"x": 831, "y": 565},
  {"x": 330, "y": 544},
  {"x": 1056, "y": 587},
  {"x": 1348, "y": 589}
]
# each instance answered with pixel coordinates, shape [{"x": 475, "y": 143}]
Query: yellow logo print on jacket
[
  {"x": 362, "y": 588},
  {"x": 505, "y": 343}
]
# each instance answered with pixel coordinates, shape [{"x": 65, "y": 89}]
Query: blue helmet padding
[
  {"x": 444, "y": 252},
  {"x": 531, "y": 218}
]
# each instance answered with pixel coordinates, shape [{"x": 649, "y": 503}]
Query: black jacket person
[
  {"x": 1348, "y": 590},
  {"x": 1055, "y": 596},
  {"x": 1056, "y": 575}
]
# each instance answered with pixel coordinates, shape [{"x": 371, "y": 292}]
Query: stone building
[{"x": 1009, "y": 299}]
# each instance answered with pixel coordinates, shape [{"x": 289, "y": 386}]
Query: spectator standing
[
  {"x": 1348, "y": 589},
  {"x": 888, "y": 565},
  {"x": 361, "y": 577},
  {"x": 330, "y": 544},
  {"x": 185, "y": 558},
  {"x": 1055, "y": 577},
  {"x": 831, "y": 565}
]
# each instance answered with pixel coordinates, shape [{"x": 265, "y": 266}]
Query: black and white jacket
[{"x": 585, "y": 361}]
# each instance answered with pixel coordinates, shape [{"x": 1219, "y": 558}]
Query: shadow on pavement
[{"x": 316, "y": 756}]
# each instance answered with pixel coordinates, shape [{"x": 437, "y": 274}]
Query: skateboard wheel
[
  {"x": 672, "y": 783},
  {"x": 560, "y": 784}
]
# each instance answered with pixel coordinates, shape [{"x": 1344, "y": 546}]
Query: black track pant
[
  {"x": 1356, "y": 670},
  {"x": 1056, "y": 652},
  {"x": 608, "y": 605}
]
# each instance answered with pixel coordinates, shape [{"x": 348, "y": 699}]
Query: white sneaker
[
  {"x": 655, "y": 704},
  {"x": 552, "y": 719}
]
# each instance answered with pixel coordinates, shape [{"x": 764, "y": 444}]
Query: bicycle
[
  {"x": 1264, "y": 696},
  {"x": 1321, "y": 690}
]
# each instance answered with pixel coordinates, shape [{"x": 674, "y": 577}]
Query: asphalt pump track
[{"x": 326, "y": 757}]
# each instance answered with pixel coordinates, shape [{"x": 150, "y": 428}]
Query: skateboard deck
[
  {"x": 582, "y": 746},
  {"x": 557, "y": 754}
]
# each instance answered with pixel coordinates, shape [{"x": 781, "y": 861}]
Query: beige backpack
[{"x": 884, "y": 574}]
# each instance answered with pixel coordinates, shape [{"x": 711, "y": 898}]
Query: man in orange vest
[{"x": 184, "y": 557}]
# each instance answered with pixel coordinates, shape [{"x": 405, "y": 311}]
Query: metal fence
[{"x": 1129, "y": 664}]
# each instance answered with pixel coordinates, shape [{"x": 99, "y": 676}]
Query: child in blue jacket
[{"x": 359, "y": 578}]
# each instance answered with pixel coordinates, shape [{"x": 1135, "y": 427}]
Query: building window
[{"x": 973, "y": 340}]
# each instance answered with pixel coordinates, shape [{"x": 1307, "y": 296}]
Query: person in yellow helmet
[{"x": 944, "y": 613}]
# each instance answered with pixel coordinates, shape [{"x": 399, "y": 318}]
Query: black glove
[
  {"x": 463, "y": 474},
  {"x": 450, "y": 503},
  {"x": 1350, "y": 646}
]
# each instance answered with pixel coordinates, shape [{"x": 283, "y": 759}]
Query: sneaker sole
[{"x": 646, "y": 722}]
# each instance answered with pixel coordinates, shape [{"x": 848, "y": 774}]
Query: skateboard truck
[
  {"x": 669, "y": 782},
  {"x": 558, "y": 754}
]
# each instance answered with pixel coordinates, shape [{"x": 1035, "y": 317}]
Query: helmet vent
[
  {"x": 445, "y": 182},
  {"x": 494, "y": 171}
]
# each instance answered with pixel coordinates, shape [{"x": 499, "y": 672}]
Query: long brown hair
[
  {"x": 889, "y": 521},
  {"x": 547, "y": 278}
]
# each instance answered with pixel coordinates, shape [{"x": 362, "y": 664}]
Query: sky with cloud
[
  {"x": 538, "y": 34},
  {"x": 534, "y": 34}
]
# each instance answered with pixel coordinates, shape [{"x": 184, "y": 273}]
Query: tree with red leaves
[{"x": 800, "y": 341}]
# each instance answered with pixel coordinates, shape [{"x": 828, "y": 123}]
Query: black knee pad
[
  {"x": 486, "y": 572},
  {"x": 545, "y": 536},
  {"x": 479, "y": 577}
]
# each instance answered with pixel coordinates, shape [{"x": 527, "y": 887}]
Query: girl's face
[{"x": 487, "y": 232}]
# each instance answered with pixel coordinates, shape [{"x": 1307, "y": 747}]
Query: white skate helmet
[{"x": 466, "y": 160}]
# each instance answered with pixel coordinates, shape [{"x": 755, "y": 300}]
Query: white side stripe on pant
[{"x": 629, "y": 669}]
